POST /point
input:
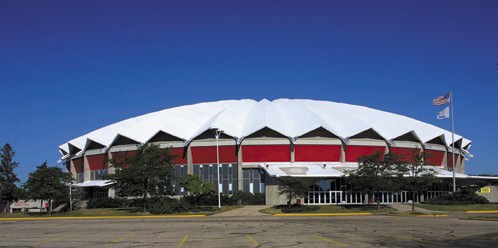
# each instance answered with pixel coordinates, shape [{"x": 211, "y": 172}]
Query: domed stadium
[{"x": 255, "y": 142}]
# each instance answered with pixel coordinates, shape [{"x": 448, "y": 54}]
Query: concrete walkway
[
  {"x": 408, "y": 207},
  {"x": 243, "y": 211}
]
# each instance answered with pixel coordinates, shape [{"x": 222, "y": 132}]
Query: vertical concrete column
[
  {"x": 292, "y": 153},
  {"x": 110, "y": 170},
  {"x": 240, "y": 180},
  {"x": 86, "y": 168},
  {"x": 445, "y": 160},
  {"x": 72, "y": 170},
  {"x": 459, "y": 162},
  {"x": 190, "y": 164},
  {"x": 343, "y": 152}
]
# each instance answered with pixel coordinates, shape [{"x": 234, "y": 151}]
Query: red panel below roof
[
  {"x": 457, "y": 161},
  {"x": 317, "y": 153},
  {"x": 120, "y": 157},
  {"x": 97, "y": 162},
  {"x": 355, "y": 152},
  {"x": 266, "y": 153},
  {"x": 207, "y": 154},
  {"x": 405, "y": 154},
  {"x": 78, "y": 165},
  {"x": 178, "y": 153},
  {"x": 433, "y": 157}
]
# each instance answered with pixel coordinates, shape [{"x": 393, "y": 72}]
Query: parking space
[{"x": 264, "y": 231}]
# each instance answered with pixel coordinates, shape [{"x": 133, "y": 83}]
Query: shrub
[
  {"x": 459, "y": 198},
  {"x": 298, "y": 208},
  {"x": 107, "y": 203},
  {"x": 166, "y": 205}
]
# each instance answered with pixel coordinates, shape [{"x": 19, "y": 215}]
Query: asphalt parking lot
[{"x": 254, "y": 231}]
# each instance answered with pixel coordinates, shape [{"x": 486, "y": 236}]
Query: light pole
[{"x": 217, "y": 136}]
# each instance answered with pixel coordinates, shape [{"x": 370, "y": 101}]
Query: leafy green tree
[
  {"x": 8, "y": 189},
  {"x": 376, "y": 172},
  {"x": 147, "y": 173},
  {"x": 196, "y": 188},
  {"x": 47, "y": 183},
  {"x": 417, "y": 177},
  {"x": 291, "y": 187}
]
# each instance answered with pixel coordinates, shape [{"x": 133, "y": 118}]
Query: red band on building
[
  {"x": 317, "y": 153},
  {"x": 207, "y": 154},
  {"x": 97, "y": 162},
  {"x": 433, "y": 157},
  {"x": 266, "y": 153},
  {"x": 355, "y": 152}
]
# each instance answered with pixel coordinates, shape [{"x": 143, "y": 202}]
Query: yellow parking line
[
  {"x": 183, "y": 241},
  {"x": 250, "y": 238},
  {"x": 110, "y": 243},
  {"x": 330, "y": 240},
  {"x": 47, "y": 241}
]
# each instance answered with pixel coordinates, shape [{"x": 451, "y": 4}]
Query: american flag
[{"x": 441, "y": 100}]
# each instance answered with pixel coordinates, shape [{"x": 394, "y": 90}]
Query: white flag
[{"x": 445, "y": 113}]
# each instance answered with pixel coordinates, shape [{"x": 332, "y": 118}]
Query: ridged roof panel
[{"x": 240, "y": 118}]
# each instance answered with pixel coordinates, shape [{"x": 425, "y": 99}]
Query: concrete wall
[
  {"x": 273, "y": 197},
  {"x": 491, "y": 196}
]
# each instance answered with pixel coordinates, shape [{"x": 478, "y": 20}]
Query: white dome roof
[{"x": 240, "y": 118}]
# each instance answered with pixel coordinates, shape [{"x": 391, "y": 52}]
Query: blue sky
[{"x": 69, "y": 67}]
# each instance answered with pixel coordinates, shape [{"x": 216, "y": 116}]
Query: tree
[
  {"x": 8, "y": 189},
  {"x": 376, "y": 172},
  {"x": 291, "y": 187},
  {"x": 47, "y": 183},
  {"x": 417, "y": 178},
  {"x": 147, "y": 173},
  {"x": 196, "y": 188}
]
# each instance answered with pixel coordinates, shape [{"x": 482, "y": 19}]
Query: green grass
[
  {"x": 335, "y": 209},
  {"x": 13, "y": 215},
  {"x": 118, "y": 212},
  {"x": 466, "y": 207}
]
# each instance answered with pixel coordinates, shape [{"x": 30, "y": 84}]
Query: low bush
[
  {"x": 108, "y": 203},
  {"x": 459, "y": 198},
  {"x": 166, "y": 205},
  {"x": 297, "y": 208}
]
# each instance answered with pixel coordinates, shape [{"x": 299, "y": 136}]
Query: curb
[
  {"x": 432, "y": 215},
  {"x": 482, "y": 212},
  {"x": 106, "y": 217},
  {"x": 324, "y": 214}
]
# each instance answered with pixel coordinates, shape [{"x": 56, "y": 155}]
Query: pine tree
[
  {"x": 47, "y": 183},
  {"x": 8, "y": 189},
  {"x": 147, "y": 173}
]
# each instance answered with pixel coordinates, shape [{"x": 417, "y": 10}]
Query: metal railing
[{"x": 353, "y": 198}]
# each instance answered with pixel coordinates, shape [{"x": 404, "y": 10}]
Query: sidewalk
[
  {"x": 243, "y": 211},
  {"x": 408, "y": 207}
]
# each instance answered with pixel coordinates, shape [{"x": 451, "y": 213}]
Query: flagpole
[{"x": 453, "y": 141}]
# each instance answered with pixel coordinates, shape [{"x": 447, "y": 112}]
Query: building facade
[{"x": 262, "y": 140}]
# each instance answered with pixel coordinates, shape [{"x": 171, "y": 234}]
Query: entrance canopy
[
  {"x": 300, "y": 170},
  {"x": 442, "y": 173},
  {"x": 94, "y": 183},
  {"x": 339, "y": 169}
]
